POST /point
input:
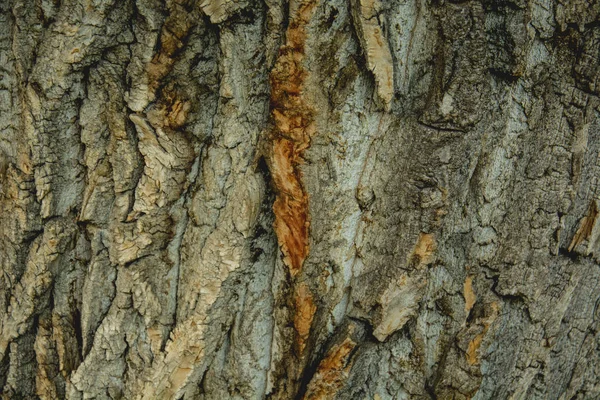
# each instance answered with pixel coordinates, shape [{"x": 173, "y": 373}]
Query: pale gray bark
[{"x": 341, "y": 199}]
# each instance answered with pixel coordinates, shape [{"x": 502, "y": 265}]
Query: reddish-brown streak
[
  {"x": 332, "y": 372},
  {"x": 292, "y": 119}
]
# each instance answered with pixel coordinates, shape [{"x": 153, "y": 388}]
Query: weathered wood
[{"x": 345, "y": 199}]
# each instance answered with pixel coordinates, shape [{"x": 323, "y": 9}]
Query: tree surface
[{"x": 313, "y": 199}]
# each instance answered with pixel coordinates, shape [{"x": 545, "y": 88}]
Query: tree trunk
[{"x": 320, "y": 199}]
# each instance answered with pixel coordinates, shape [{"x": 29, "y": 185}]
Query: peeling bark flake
[{"x": 375, "y": 47}]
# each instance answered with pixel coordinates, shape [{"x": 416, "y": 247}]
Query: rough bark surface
[{"x": 313, "y": 199}]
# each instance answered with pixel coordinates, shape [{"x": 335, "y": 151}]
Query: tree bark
[{"x": 313, "y": 199}]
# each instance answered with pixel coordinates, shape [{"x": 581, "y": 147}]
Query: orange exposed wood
[
  {"x": 293, "y": 125},
  {"x": 473, "y": 350},
  {"x": 304, "y": 313},
  {"x": 469, "y": 294},
  {"x": 472, "y": 354},
  {"x": 331, "y": 373},
  {"x": 424, "y": 249}
]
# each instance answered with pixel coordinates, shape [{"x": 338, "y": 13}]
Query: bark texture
[{"x": 313, "y": 199}]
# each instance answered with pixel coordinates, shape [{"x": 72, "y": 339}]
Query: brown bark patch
[
  {"x": 585, "y": 227},
  {"x": 170, "y": 112},
  {"x": 293, "y": 125},
  {"x": 332, "y": 372},
  {"x": 472, "y": 354},
  {"x": 473, "y": 350},
  {"x": 469, "y": 294},
  {"x": 303, "y": 314},
  {"x": 172, "y": 39},
  {"x": 424, "y": 249}
]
